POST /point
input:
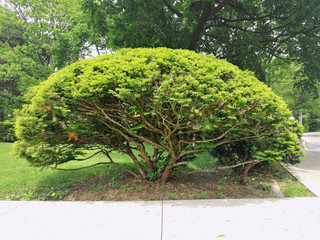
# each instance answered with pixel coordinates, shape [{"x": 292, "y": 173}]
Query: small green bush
[
  {"x": 171, "y": 196},
  {"x": 7, "y": 132},
  {"x": 265, "y": 187},
  {"x": 202, "y": 195}
]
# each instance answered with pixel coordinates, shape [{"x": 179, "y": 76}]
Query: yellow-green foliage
[{"x": 169, "y": 99}]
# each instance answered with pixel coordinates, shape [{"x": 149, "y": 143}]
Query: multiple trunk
[{"x": 163, "y": 141}]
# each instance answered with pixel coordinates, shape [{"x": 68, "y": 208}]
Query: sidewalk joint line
[
  {"x": 12, "y": 209},
  {"x": 161, "y": 235}
]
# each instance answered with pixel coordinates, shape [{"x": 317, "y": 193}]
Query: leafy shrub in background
[
  {"x": 7, "y": 132},
  {"x": 174, "y": 102}
]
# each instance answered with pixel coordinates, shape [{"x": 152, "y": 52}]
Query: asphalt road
[{"x": 312, "y": 141}]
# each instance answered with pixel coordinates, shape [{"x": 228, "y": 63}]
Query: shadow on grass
[
  {"x": 20, "y": 181},
  {"x": 58, "y": 184}
]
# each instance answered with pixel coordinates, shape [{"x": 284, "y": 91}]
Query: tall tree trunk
[
  {"x": 300, "y": 118},
  {"x": 300, "y": 99},
  {"x": 195, "y": 37},
  {"x": 206, "y": 13}
]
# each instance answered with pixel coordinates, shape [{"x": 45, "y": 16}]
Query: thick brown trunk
[
  {"x": 245, "y": 173},
  {"x": 208, "y": 10},
  {"x": 197, "y": 31},
  {"x": 166, "y": 174},
  {"x": 167, "y": 171}
]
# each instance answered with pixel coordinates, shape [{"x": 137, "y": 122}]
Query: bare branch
[
  {"x": 220, "y": 6},
  {"x": 128, "y": 131},
  {"x": 180, "y": 163},
  {"x": 189, "y": 152},
  {"x": 75, "y": 169},
  {"x": 210, "y": 140},
  {"x": 118, "y": 166},
  {"x": 222, "y": 168},
  {"x": 83, "y": 159},
  {"x": 126, "y": 170},
  {"x": 179, "y": 14}
]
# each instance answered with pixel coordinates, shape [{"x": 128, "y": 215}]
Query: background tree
[
  {"x": 155, "y": 105},
  {"x": 36, "y": 37},
  {"x": 285, "y": 80},
  {"x": 245, "y": 33}
]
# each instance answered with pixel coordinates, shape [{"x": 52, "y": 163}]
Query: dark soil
[{"x": 190, "y": 186}]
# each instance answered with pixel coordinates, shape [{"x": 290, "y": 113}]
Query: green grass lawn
[{"x": 20, "y": 181}]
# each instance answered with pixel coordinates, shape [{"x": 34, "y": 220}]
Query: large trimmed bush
[
  {"x": 174, "y": 102},
  {"x": 7, "y": 132}
]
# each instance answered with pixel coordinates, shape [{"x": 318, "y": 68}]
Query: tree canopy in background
[
  {"x": 284, "y": 78},
  {"x": 245, "y": 33},
  {"x": 36, "y": 37}
]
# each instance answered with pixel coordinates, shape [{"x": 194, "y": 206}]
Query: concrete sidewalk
[
  {"x": 249, "y": 219},
  {"x": 294, "y": 219},
  {"x": 308, "y": 172}
]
